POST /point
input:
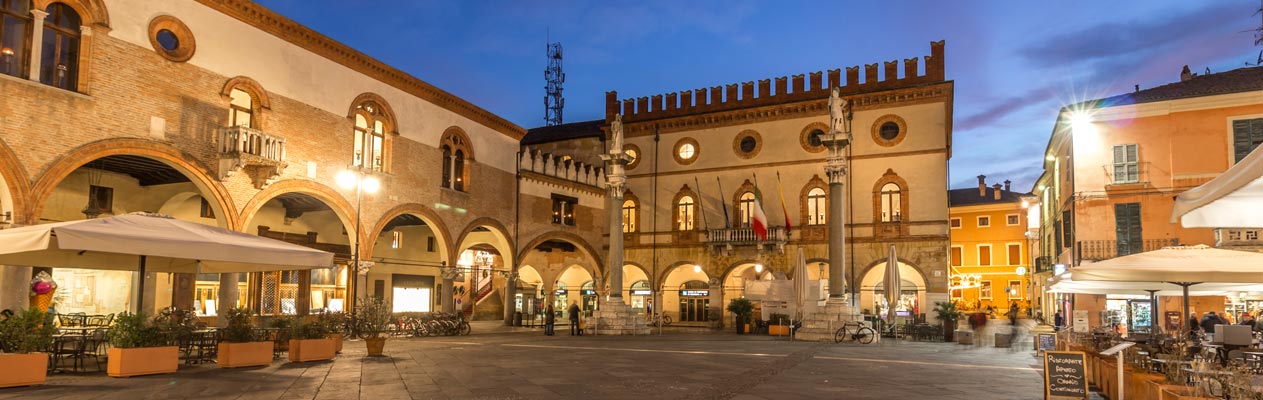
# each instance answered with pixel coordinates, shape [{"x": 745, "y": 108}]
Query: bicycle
[
  {"x": 860, "y": 333},
  {"x": 658, "y": 320}
]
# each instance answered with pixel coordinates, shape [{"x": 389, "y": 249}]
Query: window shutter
[
  {"x": 957, "y": 258},
  {"x": 1246, "y": 135},
  {"x": 1127, "y": 228},
  {"x": 1015, "y": 254}
]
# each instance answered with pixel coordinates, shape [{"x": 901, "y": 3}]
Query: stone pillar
[
  {"x": 37, "y": 40},
  {"x": 615, "y": 265},
  {"x": 614, "y": 317},
  {"x": 184, "y": 290},
  {"x": 302, "y": 302},
  {"x": 227, "y": 299},
  {"x": 510, "y": 297},
  {"x": 449, "y": 303},
  {"x": 15, "y": 287}
]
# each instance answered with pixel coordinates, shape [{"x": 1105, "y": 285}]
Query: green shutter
[
  {"x": 1246, "y": 136},
  {"x": 1127, "y": 228}
]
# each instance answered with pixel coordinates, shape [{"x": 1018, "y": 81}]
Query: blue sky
[{"x": 1014, "y": 62}]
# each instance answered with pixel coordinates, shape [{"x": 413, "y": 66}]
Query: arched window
[
  {"x": 456, "y": 153},
  {"x": 684, "y": 213},
  {"x": 240, "y": 109},
  {"x": 370, "y": 136},
  {"x": 891, "y": 210},
  {"x": 747, "y": 208},
  {"x": 15, "y": 20},
  {"x": 458, "y": 171},
  {"x": 447, "y": 166},
  {"x": 629, "y": 216},
  {"x": 59, "y": 60},
  {"x": 816, "y": 205}
]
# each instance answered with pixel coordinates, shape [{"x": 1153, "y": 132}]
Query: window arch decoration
[
  {"x": 742, "y": 204},
  {"x": 889, "y": 130},
  {"x": 92, "y": 12},
  {"x": 747, "y": 144},
  {"x": 805, "y": 137},
  {"x": 891, "y": 198},
  {"x": 373, "y": 128},
  {"x": 631, "y": 212},
  {"x": 684, "y": 209},
  {"x": 258, "y": 101},
  {"x": 457, "y": 156},
  {"x": 814, "y": 202}
]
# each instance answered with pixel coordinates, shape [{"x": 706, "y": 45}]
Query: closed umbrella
[
  {"x": 892, "y": 284},
  {"x": 800, "y": 287}
]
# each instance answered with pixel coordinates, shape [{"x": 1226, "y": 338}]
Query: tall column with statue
[
  {"x": 615, "y": 317},
  {"x": 821, "y": 324}
]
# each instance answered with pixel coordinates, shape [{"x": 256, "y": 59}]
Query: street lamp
[{"x": 362, "y": 181}]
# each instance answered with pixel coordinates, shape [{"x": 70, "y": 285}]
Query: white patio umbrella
[
  {"x": 1178, "y": 265},
  {"x": 152, "y": 243},
  {"x": 1231, "y": 200},
  {"x": 892, "y": 284}
]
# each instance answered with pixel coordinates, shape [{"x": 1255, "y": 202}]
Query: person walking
[
  {"x": 1209, "y": 321},
  {"x": 1058, "y": 322},
  {"x": 550, "y": 319},
  {"x": 574, "y": 319},
  {"x": 1193, "y": 325}
]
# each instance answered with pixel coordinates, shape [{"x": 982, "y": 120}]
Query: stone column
[
  {"x": 614, "y": 316},
  {"x": 37, "y": 42},
  {"x": 836, "y": 168},
  {"x": 615, "y": 263},
  {"x": 15, "y": 287},
  {"x": 510, "y": 297},
  {"x": 184, "y": 290},
  {"x": 449, "y": 303},
  {"x": 227, "y": 299},
  {"x": 302, "y": 302}
]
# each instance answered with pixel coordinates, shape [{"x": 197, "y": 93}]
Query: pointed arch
[
  {"x": 903, "y": 212},
  {"x": 743, "y": 219}
]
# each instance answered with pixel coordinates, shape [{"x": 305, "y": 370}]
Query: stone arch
[
  {"x": 464, "y": 144},
  {"x": 186, "y": 163},
  {"x": 574, "y": 239},
  {"x": 859, "y": 275},
  {"x": 637, "y": 266},
  {"x": 496, "y": 228},
  {"x": 662, "y": 278},
  {"x": 331, "y": 198},
  {"x": 426, "y": 214},
  {"x": 91, "y": 12},
  {"x": 392, "y": 125},
  {"x": 18, "y": 183},
  {"x": 249, "y": 86}
]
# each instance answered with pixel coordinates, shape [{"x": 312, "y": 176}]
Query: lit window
[
  {"x": 455, "y": 152},
  {"x": 747, "y": 208},
  {"x": 240, "y": 109},
  {"x": 632, "y": 154},
  {"x": 687, "y": 151},
  {"x": 816, "y": 205},
  {"x": 15, "y": 19},
  {"x": 396, "y": 239},
  {"x": 984, "y": 291},
  {"x": 1015, "y": 290},
  {"x": 984, "y": 221},
  {"x": 629, "y": 216},
  {"x": 563, "y": 209},
  {"x": 684, "y": 214},
  {"x": 411, "y": 300},
  {"x": 370, "y": 137},
  {"x": 890, "y": 203},
  {"x": 59, "y": 61}
]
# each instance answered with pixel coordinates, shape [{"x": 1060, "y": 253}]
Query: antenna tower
[{"x": 553, "y": 101}]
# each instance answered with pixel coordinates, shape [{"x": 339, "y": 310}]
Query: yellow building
[{"x": 990, "y": 253}]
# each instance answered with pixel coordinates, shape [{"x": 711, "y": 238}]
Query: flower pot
[
  {"x": 252, "y": 354},
  {"x": 778, "y": 330},
  {"x": 337, "y": 341},
  {"x": 23, "y": 369},
  {"x": 311, "y": 350},
  {"x": 747, "y": 328},
  {"x": 375, "y": 345},
  {"x": 142, "y": 361},
  {"x": 949, "y": 328}
]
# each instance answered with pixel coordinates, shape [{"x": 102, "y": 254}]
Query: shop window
[
  {"x": 684, "y": 213},
  {"x": 629, "y": 216},
  {"x": 563, "y": 209},
  {"x": 984, "y": 221},
  {"x": 984, "y": 254},
  {"x": 817, "y": 203},
  {"x": 59, "y": 61},
  {"x": 240, "y": 109},
  {"x": 958, "y": 257},
  {"x": 15, "y": 21},
  {"x": 984, "y": 290},
  {"x": 1015, "y": 254},
  {"x": 1246, "y": 136},
  {"x": 891, "y": 203}
]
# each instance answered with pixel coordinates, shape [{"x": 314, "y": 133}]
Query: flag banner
[
  {"x": 758, "y": 220},
  {"x": 723, "y": 203},
  {"x": 788, "y": 226}
]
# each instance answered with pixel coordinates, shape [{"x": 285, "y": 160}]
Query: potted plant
[
  {"x": 742, "y": 309},
  {"x": 240, "y": 346},
  {"x": 308, "y": 341},
  {"x": 22, "y": 338},
  {"x": 139, "y": 347},
  {"x": 778, "y": 325},
  {"x": 334, "y": 322},
  {"x": 374, "y": 319},
  {"x": 948, "y": 314}
]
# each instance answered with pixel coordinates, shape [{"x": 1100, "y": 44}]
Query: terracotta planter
[
  {"x": 253, "y": 354},
  {"x": 143, "y": 361},
  {"x": 23, "y": 369},
  {"x": 375, "y": 345},
  {"x": 311, "y": 350},
  {"x": 778, "y": 330},
  {"x": 337, "y": 341}
]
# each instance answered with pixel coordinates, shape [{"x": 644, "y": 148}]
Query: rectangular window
[
  {"x": 984, "y": 221},
  {"x": 563, "y": 209},
  {"x": 958, "y": 258},
  {"x": 1126, "y": 164},
  {"x": 984, "y": 290},
  {"x": 1015, "y": 254},
  {"x": 1127, "y": 228},
  {"x": 207, "y": 211},
  {"x": 1067, "y": 229},
  {"x": 101, "y": 199},
  {"x": 1015, "y": 290},
  {"x": 1246, "y": 135},
  {"x": 955, "y": 223},
  {"x": 429, "y": 244},
  {"x": 396, "y": 239},
  {"x": 984, "y": 254},
  {"x": 1012, "y": 220}
]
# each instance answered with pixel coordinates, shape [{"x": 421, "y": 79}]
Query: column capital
[{"x": 39, "y": 15}]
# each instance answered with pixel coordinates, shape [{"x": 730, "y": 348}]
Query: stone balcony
[
  {"x": 260, "y": 154},
  {"x": 727, "y": 240},
  {"x": 561, "y": 167}
]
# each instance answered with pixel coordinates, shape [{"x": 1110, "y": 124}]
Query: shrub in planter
[
  {"x": 778, "y": 325},
  {"x": 948, "y": 314},
  {"x": 240, "y": 346},
  {"x": 743, "y": 309},
  {"x": 335, "y": 323},
  {"x": 308, "y": 341},
  {"x": 22, "y": 336},
  {"x": 140, "y": 348},
  {"x": 374, "y": 319}
]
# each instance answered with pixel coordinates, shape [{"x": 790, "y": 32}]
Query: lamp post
[{"x": 362, "y": 181}]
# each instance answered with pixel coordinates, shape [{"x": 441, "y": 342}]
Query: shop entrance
[
  {"x": 589, "y": 298},
  {"x": 694, "y": 301}
]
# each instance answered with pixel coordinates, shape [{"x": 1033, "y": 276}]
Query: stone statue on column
[
  {"x": 615, "y": 317},
  {"x": 837, "y": 111}
]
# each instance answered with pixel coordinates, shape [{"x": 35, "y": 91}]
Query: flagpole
[
  {"x": 701, "y": 204},
  {"x": 723, "y": 203},
  {"x": 781, "y": 191}
]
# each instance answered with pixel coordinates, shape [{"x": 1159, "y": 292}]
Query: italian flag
[{"x": 758, "y": 220}]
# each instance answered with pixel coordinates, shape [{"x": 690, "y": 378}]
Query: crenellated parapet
[
  {"x": 877, "y": 76},
  {"x": 561, "y": 167}
]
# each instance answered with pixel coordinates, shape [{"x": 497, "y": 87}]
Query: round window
[
  {"x": 167, "y": 40},
  {"x": 748, "y": 144},
  {"x": 631, "y": 153},
  {"x": 889, "y": 130},
  {"x": 687, "y": 151},
  {"x": 813, "y": 138}
]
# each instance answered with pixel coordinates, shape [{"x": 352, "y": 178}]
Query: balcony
[
  {"x": 1126, "y": 174},
  {"x": 261, "y": 155},
  {"x": 1097, "y": 250},
  {"x": 727, "y": 240}
]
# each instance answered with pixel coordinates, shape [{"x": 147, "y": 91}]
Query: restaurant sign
[{"x": 1065, "y": 375}]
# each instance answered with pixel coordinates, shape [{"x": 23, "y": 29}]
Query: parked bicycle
[
  {"x": 854, "y": 331},
  {"x": 656, "y": 320}
]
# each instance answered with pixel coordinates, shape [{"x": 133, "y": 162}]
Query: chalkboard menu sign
[
  {"x": 1047, "y": 341},
  {"x": 1065, "y": 375}
]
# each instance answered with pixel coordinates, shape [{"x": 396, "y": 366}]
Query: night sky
[{"x": 1015, "y": 63}]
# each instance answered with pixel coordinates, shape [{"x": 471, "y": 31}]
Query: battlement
[{"x": 786, "y": 89}]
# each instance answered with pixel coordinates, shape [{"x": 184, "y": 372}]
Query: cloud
[
  {"x": 1122, "y": 39},
  {"x": 998, "y": 110}
]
